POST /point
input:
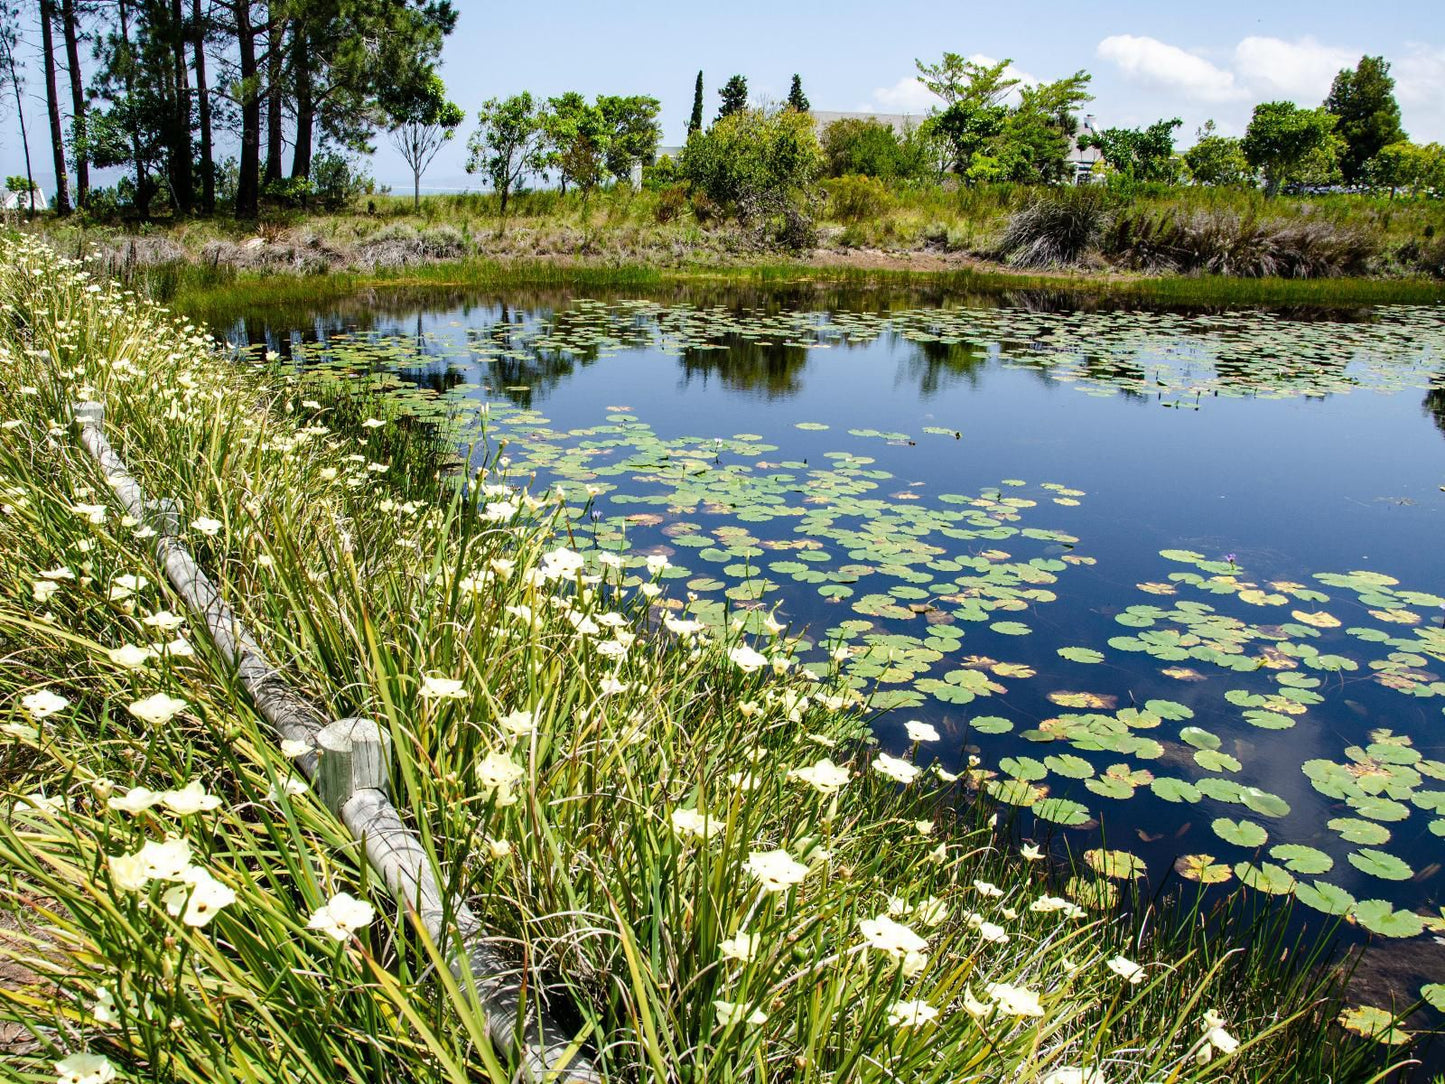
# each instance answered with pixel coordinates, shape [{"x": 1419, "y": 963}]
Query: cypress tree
[
  {"x": 796, "y": 98},
  {"x": 695, "y": 123}
]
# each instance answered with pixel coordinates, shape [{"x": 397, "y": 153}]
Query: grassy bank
[{"x": 708, "y": 868}]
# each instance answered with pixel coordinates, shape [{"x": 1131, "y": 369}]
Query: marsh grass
[{"x": 616, "y": 792}]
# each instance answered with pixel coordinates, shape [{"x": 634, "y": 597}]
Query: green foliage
[
  {"x": 508, "y": 143},
  {"x": 734, "y": 95},
  {"x": 1136, "y": 155},
  {"x": 1410, "y": 167},
  {"x": 752, "y": 154},
  {"x": 1290, "y": 144},
  {"x": 422, "y": 124},
  {"x": 336, "y": 180},
  {"x": 870, "y": 148},
  {"x": 855, "y": 199},
  {"x": 1367, "y": 115},
  {"x": 694, "y": 122},
  {"x": 796, "y": 98},
  {"x": 631, "y": 130},
  {"x": 1218, "y": 161},
  {"x": 20, "y": 185}
]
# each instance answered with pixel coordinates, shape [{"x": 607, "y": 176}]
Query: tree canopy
[
  {"x": 1290, "y": 144},
  {"x": 1367, "y": 117}
]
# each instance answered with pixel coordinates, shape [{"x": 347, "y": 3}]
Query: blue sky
[{"x": 1195, "y": 61}]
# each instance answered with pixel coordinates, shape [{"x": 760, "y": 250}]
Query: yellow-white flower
[
  {"x": 1067, "y": 1074},
  {"x": 729, "y": 1012},
  {"x": 894, "y": 938},
  {"x": 987, "y": 888},
  {"x": 497, "y": 772},
  {"x": 1216, "y": 1037},
  {"x": 920, "y": 732},
  {"x": 135, "y": 800},
  {"x": 690, "y": 824},
  {"x": 341, "y": 916},
  {"x": 442, "y": 688},
  {"x": 1126, "y": 969},
  {"x": 518, "y": 722},
  {"x": 900, "y": 771},
  {"x": 1015, "y": 1000},
  {"x": 825, "y": 777},
  {"x": 202, "y": 902},
  {"x": 207, "y": 526},
  {"x": 155, "y": 861},
  {"x": 746, "y": 659},
  {"x": 164, "y": 620},
  {"x": 157, "y": 709},
  {"x": 290, "y": 747},
  {"x": 775, "y": 871},
  {"x": 742, "y": 947},
  {"x": 910, "y": 1014},
  {"x": 1030, "y": 852},
  {"x": 129, "y": 656},
  {"x": 192, "y": 798},
  {"x": 84, "y": 1069},
  {"x": 43, "y": 704}
]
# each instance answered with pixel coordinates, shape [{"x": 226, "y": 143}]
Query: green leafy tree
[
  {"x": 796, "y": 98},
  {"x": 1290, "y": 144},
  {"x": 753, "y": 158},
  {"x": 429, "y": 121},
  {"x": 973, "y": 115},
  {"x": 1412, "y": 167},
  {"x": 1038, "y": 134},
  {"x": 1216, "y": 160},
  {"x": 508, "y": 144},
  {"x": 1138, "y": 154},
  {"x": 574, "y": 134},
  {"x": 856, "y": 146},
  {"x": 734, "y": 95},
  {"x": 694, "y": 122},
  {"x": 631, "y": 131},
  {"x": 1367, "y": 115}
]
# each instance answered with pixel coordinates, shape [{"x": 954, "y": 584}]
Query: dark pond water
[{"x": 1178, "y": 574}]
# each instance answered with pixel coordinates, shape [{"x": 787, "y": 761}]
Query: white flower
[
  {"x": 656, "y": 563},
  {"x": 135, "y": 800},
  {"x": 746, "y": 659},
  {"x": 104, "y": 1008},
  {"x": 920, "y": 731},
  {"x": 894, "y": 938},
  {"x": 1069, "y": 1075},
  {"x": 92, "y": 513},
  {"x": 775, "y": 870},
  {"x": 988, "y": 889},
  {"x": 1127, "y": 970},
  {"x": 372, "y": 423},
  {"x": 825, "y": 777},
  {"x": 164, "y": 620},
  {"x": 203, "y": 902},
  {"x": 442, "y": 688},
  {"x": 129, "y": 656},
  {"x": 43, "y": 704},
  {"x": 192, "y": 798},
  {"x": 991, "y": 931},
  {"x": 499, "y": 848},
  {"x": 742, "y": 947},
  {"x": 84, "y": 1069},
  {"x": 497, "y": 772},
  {"x": 1015, "y": 1000},
  {"x": 518, "y": 722},
  {"x": 1056, "y": 903},
  {"x": 610, "y": 685},
  {"x": 910, "y": 1014},
  {"x": 1030, "y": 852},
  {"x": 728, "y": 1012},
  {"x": 1216, "y": 1036},
  {"x": 41, "y": 590},
  {"x": 690, "y": 824},
  {"x": 291, "y": 788},
  {"x": 166, "y": 861},
  {"x": 207, "y": 526},
  {"x": 682, "y": 626},
  {"x": 341, "y": 916},
  {"x": 290, "y": 747},
  {"x": 180, "y": 648},
  {"x": 158, "y": 709},
  {"x": 562, "y": 563},
  {"x": 900, "y": 771}
]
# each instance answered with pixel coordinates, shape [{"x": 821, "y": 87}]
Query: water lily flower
[
  {"x": 910, "y": 1014},
  {"x": 742, "y": 947},
  {"x": 746, "y": 659},
  {"x": 776, "y": 870},
  {"x": 1126, "y": 969},
  {"x": 341, "y": 916},
  {"x": 43, "y": 704},
  {"x": 729, "y": 1012},
  {"x": 157, "y": 709},
  {"x": 204, "y": 900},
  {"x": 1015, "y": 1000},
  {"x": 84, "y": 1069},
  {"x": 442, "y": 688},
  {"x": 887, "y": 935},
  {"x": 920, "y": 732},
  {"x": 825, "y": 777},
  {"x": 900, "y": 771}
]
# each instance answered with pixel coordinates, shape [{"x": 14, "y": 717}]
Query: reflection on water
[{"x": 1172, "y": 572}]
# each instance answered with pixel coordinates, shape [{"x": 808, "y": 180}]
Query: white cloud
[
  {"x": 1298, "y": 70},
  {"x": 1420, "y": 88},
  {"x": 908, "y": 95},
  {"x": 1168, "y": 67}
]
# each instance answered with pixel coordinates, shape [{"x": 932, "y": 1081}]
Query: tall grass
[{"x": 687, "y": 841}]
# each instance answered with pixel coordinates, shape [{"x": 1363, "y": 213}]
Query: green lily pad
[
  {"x": 1298, "y": 858},
  {"x": 1081, "y": 654},
  {"x": 1378, "y": 916},
  {"x": 1324, "y": 897},
  {"x": 1381, "y": 864},
  {"x": 1240, "y": 833}
]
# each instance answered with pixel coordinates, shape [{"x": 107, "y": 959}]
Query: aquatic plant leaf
[
  {"x": 1378, "y": 916},
  {"x": 1081, "y": 654},
  {"x": 1240, "y": 833},
  {"x": 1298, "y": 858},
  {"x": 1373, "y": 1023},
  {"x": 1202, "y": 868},
  {"x": 1324, "y": 897},
  {"x": 1381, "y": 864},
  {"x": 1266, "y": 877},
  {"x": 1174, "y": 790},
  {"x": 1116, "y": 865}
]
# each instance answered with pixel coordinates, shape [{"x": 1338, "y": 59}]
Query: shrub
[
  {"x": 753, "y": 155},
  {"x": 671, "y": 202},
  {"x": 1057, "y": 229},
  {"x": 857, "y": 199},
  {"x": 336, "y": 181}
]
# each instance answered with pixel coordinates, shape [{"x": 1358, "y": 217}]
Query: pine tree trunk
[
  {"x": 275, "y": 29},
  {"x": 183, "y": 186},
  {"x": 142, "y": 195},
  {"x": 203, "y": 102},
  {"x": 305, "y": 101},
  {"x": 77, "y": 102},
  {"x": 24, "y": 136},
  {"x": 52, "y": 104},
  {"x": 248, "y": 186}
]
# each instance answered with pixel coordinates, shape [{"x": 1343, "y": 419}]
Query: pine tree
[
  {"x": 695, "y": 123},
  {"x": 734, "y": 95},
  {"x": 796, "y": 98}
]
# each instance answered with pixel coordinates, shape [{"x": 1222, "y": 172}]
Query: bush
[
  {"x": 857, "y": 199},
  {"x": 1057, "y": 229},
  {"x": 336, "y": 181},
  {"x": 671, "y": 202},
  {"x": 753, "y": 155}
]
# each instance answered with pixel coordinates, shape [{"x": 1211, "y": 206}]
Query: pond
[{"x": 1173, "y": 578}]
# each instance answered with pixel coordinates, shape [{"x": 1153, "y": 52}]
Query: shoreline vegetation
[{"x": 708, "y": 870}]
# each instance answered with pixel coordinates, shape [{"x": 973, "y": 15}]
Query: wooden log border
[{"x": 348, "y": 760}]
